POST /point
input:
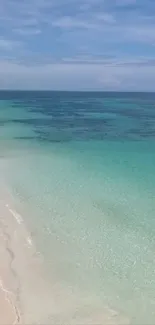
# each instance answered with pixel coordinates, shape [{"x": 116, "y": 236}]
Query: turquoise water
[{"x": 81, "y": 167}]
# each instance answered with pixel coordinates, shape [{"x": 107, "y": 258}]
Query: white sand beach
[
  {"x": 26, "y": 295},
  {"x": 23, "y": 287},
  {"x": 9, "y": 312}
]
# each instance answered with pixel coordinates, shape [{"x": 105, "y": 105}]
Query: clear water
[{"x": 82, "y": 168}]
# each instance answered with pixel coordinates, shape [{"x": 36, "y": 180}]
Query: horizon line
[{"x": 93, "y": 90}]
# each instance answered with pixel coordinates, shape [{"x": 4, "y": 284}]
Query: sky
[{"x": 77, "y": 44}]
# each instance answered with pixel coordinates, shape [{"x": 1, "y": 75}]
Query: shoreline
[
  {"x": 10, "y": 313},
  {"x": 21, "y": 272},
  {"x": 23, "y": 284},
  {"x": 27, "y": 295}
]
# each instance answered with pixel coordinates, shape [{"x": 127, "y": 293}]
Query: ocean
[{"x": 80, "y": 167}]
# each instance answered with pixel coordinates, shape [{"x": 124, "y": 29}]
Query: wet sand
[
  {"x": 24, "y": 292},
  {"x": 9, "y": 313},
  {"x": 27, "y": 295}
]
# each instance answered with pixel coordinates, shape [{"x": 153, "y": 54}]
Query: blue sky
[{"x": 77, "y": 44}]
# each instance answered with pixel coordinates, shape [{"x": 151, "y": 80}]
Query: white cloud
[
  {"x": 8, "y": 45},
  {"x": 21, "y": 13},
  {"x": 27, "y": 31},
  {"x": 111, "y": 61},
  {"x": 72, "y": 76},
  {"x": 144, "y": 34},
  {"x": 107, "y": 18},
  {"x": 69, "y": 22},
  {"x": 125, "y": 2}
]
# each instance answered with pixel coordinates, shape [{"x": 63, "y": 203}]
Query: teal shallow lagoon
[{"x": 85, "y": 186}]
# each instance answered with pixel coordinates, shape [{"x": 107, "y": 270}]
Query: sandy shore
[
  {"x": 27, "y": 295},
  {"x": 9, "y": 313}
]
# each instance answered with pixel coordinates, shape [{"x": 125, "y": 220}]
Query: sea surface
[{"x": 81, "y": 169}]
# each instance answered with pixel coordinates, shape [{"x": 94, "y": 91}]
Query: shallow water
[{"x": 81, "y": 168}]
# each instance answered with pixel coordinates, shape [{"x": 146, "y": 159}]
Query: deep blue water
[{"x": 68, "y": 116}]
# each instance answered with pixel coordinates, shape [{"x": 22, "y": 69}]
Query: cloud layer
[{"x": 77, "y": 44}]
